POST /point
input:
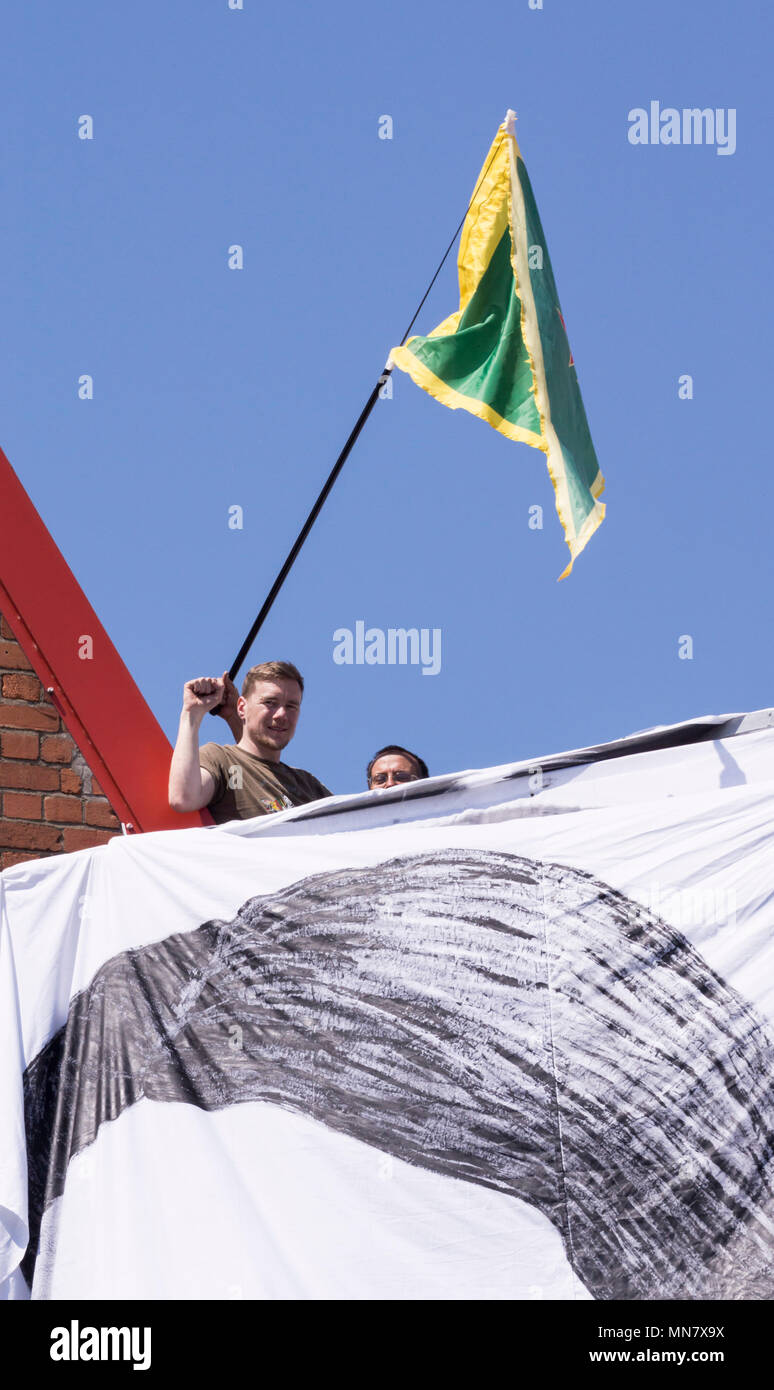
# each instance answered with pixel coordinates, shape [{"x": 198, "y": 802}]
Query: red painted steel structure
[{"x": 101, "y": 705}]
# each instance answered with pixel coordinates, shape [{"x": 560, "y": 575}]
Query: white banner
[{"x": 504, "y": 1035}]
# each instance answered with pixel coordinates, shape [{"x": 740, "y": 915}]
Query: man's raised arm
[{"x": 190, "y": 786}]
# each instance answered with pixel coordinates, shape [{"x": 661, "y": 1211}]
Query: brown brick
[
  {"x": 28, "y": 717},
  {"x": 21, "y": 806},
  {"x": 17, "y": 834},
  {"x": 15, "y": 856},
  {"x": 11, "y": 655},
  {"x": 19, "y": 745},
  {"x": 81, "y": 837},
  {"x": 96, "y": 789},
  {"x": 71, "y": 781},
  {"x": 24, "y": 777},
  {"x": 58, "y": 748},
  {"x": 99, "y": 813},
  {"x": 64, "y": 808},
  {"x": 21, "y": 688},
  {"x": 6, "y": 630}
]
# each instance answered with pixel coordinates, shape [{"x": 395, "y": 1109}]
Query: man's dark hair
[{"x": 419, "y": 764}]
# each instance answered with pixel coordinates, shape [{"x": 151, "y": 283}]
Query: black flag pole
[
  {"x": 341, "y": 460},
  {"x": 309, "y": 523}
]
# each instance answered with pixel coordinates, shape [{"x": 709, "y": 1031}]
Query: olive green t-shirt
[{"x": 246, "y": 785}]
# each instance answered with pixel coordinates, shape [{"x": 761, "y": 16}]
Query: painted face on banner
[{"x": 271, "y": 713}]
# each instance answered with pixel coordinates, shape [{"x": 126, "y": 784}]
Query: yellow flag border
[{"x": 455, "y": 400}]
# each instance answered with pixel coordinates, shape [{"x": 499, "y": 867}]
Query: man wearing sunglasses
[{"x": 394, "y": 765}]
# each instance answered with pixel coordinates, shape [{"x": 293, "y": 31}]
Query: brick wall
[{"x": 49, "y": 800}]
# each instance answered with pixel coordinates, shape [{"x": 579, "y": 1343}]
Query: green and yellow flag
[{"x": 504, "y": 354}]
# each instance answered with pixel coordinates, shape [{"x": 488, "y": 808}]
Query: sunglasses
[{"x": 379, "y": 778}]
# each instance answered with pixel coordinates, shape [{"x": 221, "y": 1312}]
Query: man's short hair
[
  {"x": 271, "y": 671},
  {"x": 419, "y": 764}
]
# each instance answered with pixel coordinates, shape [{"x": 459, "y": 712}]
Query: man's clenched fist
[
  {"x": 202, "y": 694},
  {"x": 217, "y": 693}
]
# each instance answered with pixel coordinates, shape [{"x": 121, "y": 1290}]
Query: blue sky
[{"x": 215, "y": 388}]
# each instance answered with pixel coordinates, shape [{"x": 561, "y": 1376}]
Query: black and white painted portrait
[{"x": 499, "y": 1021}]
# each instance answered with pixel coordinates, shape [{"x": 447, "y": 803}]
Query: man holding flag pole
[{"x": 503, "y": 354}]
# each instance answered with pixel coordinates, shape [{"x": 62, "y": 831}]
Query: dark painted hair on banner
[
  {"x": 516, "y": 1024},
  {"x": 419, "y": 763}
]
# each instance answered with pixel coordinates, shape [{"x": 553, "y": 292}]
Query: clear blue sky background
[{"x": 216, "y": 387}]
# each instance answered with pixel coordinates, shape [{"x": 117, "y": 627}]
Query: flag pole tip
[{"x": 510, "y": 122}]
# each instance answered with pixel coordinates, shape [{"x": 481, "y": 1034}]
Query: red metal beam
[{"x": 102, "y": 707}]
